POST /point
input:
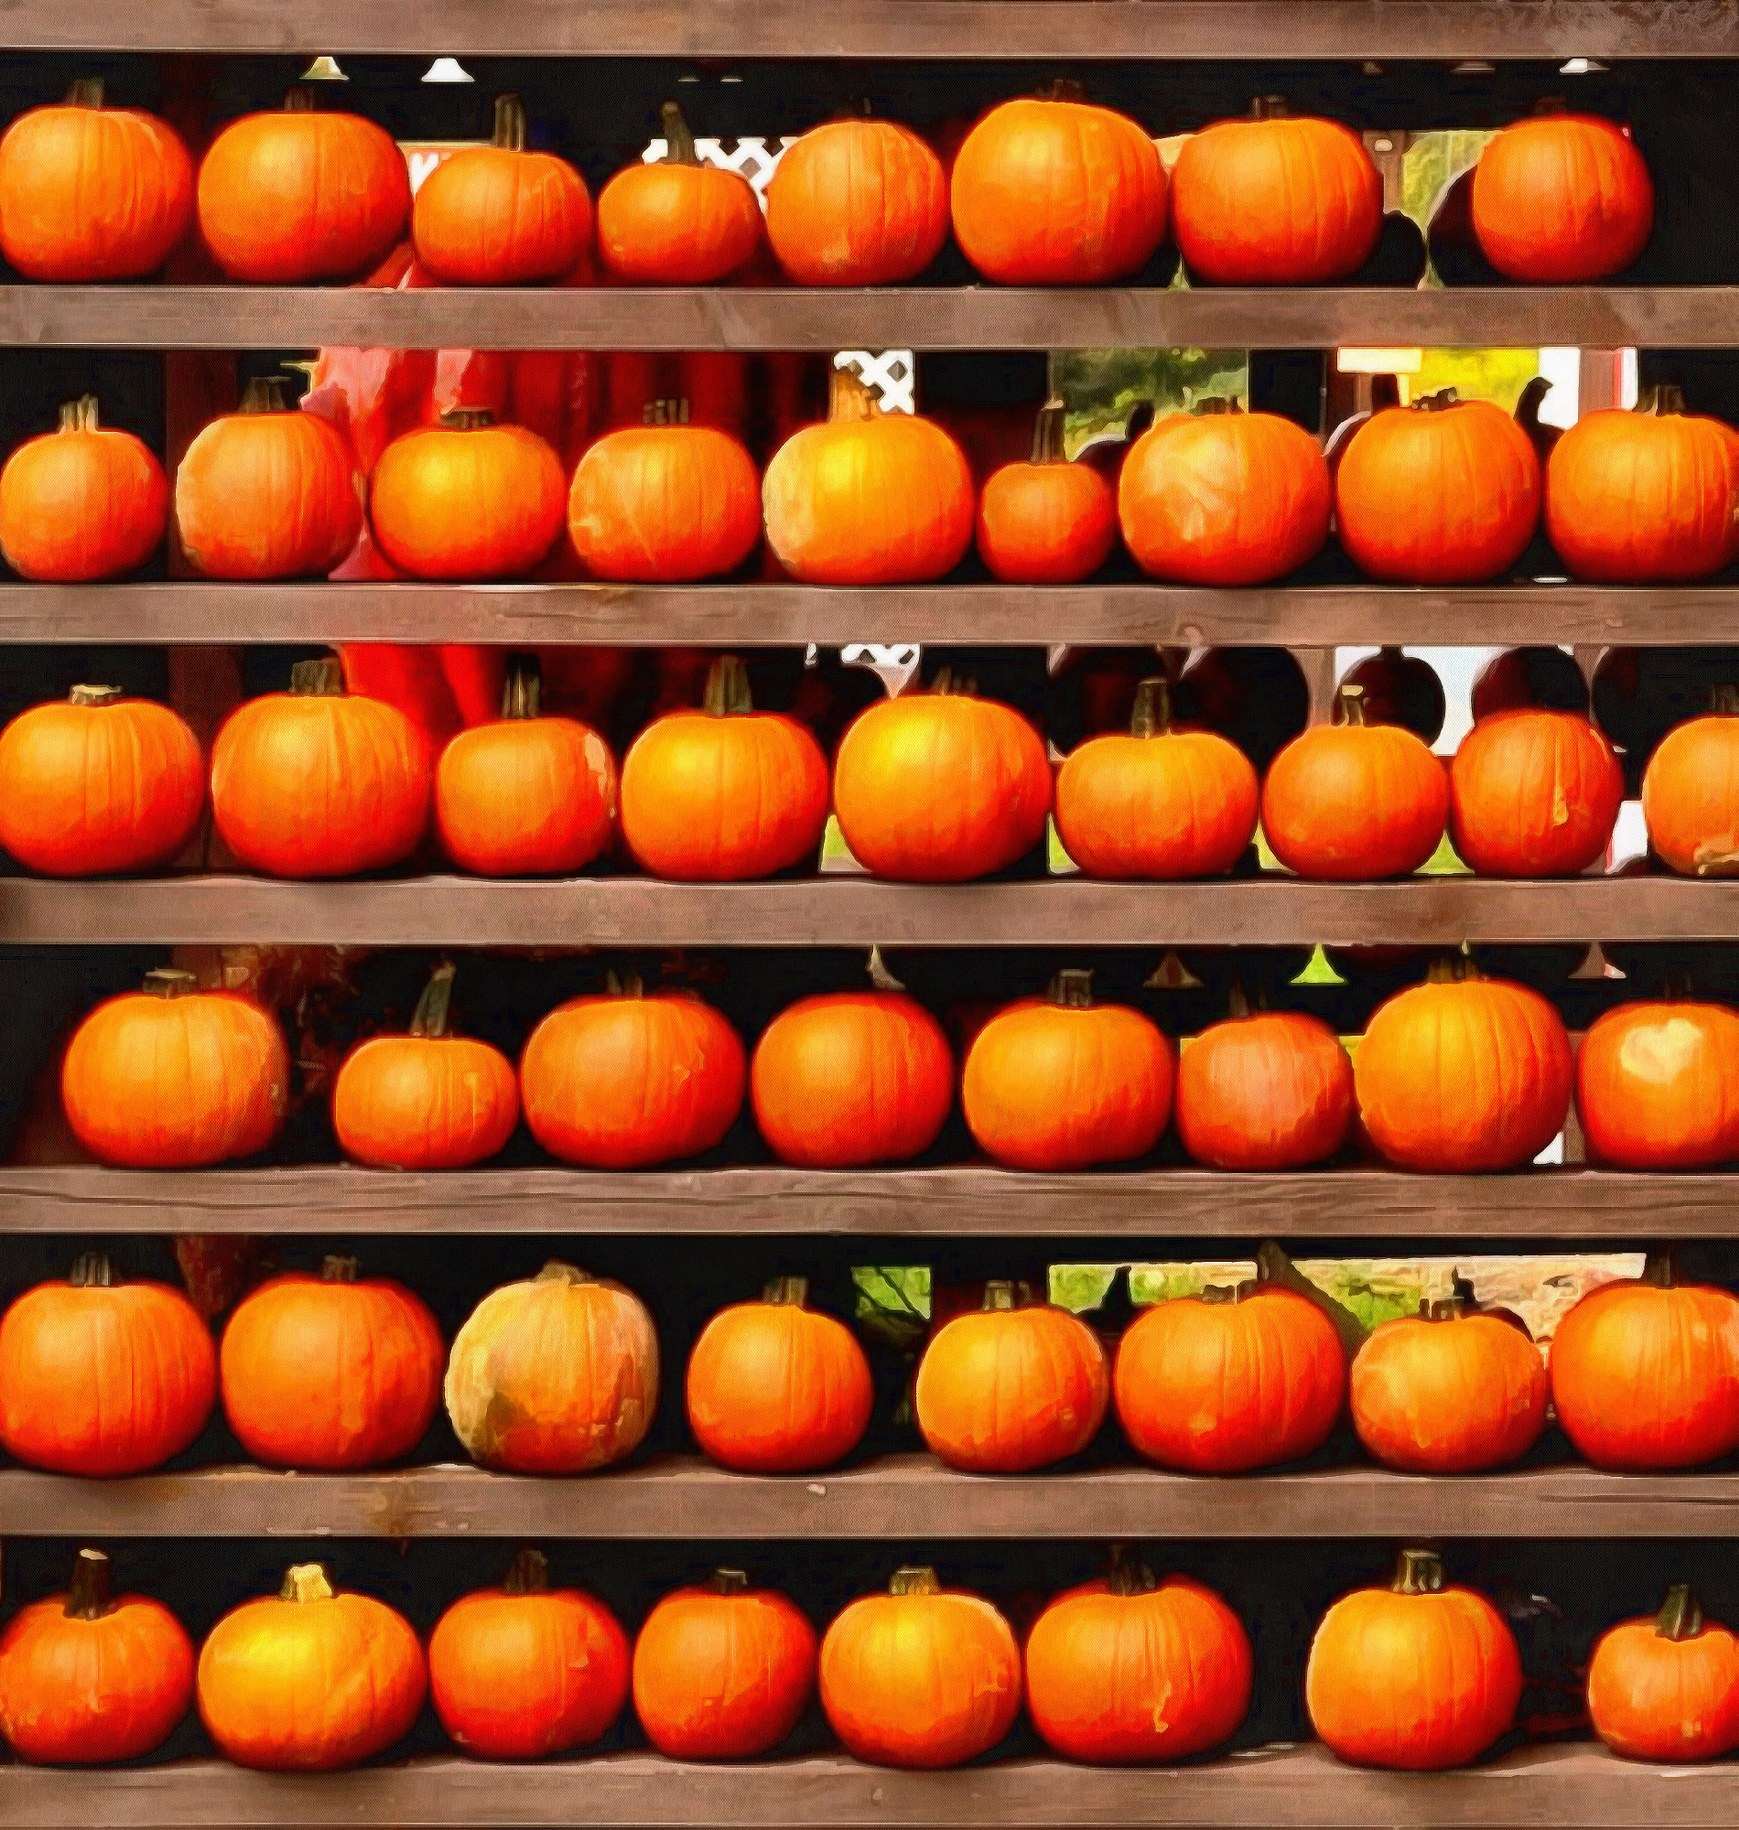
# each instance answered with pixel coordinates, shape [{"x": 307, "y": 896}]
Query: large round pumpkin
[
  {"x": 1666, "y": 1686},
  {"x": 922, "y": 1676},
  {"x": 1046, "y": 521},
  {"x": 1218, "y": 496},
  {"x": 172, "y": 1077},
  {"x": 1657, "y": 1085},
  {"x": 310, "y": 1680},
  {"x": 90, "y": 1677},
  {"x": 1690, "y": 793},
  {"x": 1420, "y": 1676},
  {"x": 100, "y": 1377},
  {"x": 675, "y": 221},
  {"x": 524, "y": 1671},
  {"x": 1533, "y": 794}
]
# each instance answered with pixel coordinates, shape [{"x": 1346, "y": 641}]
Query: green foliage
[{"x": 1103, "y": 385}]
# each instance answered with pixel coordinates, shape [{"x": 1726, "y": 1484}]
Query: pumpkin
[
  {"x": 92, "y": 193},
  {"x": 674, "y": 221},
  {"x": 267, "y": 492},
  {"x": 857, "y": 203},
  {"x": 1218, "y": 496},
  {"x": 98, "y": 784},
  {"x": 1270, "y": 1089},
  {"x": 82, "y": 503},
  {"x": 1011, "y": 1387},
  {"x": 666, "y": 502},
  {"x": 1645, "y": 1373},
  {"x": 330, "y": 1372},
  {"x": 867, "y": 498},
  {"x": 557, "y": 1374},
  {"x": 1664, "y": 1686},
  {"x": 1442, "y": 492},
  {"x": 1452, "y": 1390},
  {"x": 1062, "y": 1083},
  {"x": 172, "y": 1077},
  {"x": 1533, "y": 794},
  {"x": 1047, "y": 521},
  {"x": 1418, "y": 1676},
  {"x": 498, "y": 215},
  {"x": 524, "y": 1671},
  {"x": 88, "y": 1678},
  {"x": 723, "y": 1671},
  {"x": 467, "y": 499},
  {"x": 1649, "y": 496},
  {"x": 941, "y": 786},
  {"x": 1054, "y": 191},
  {"x": 626, "y": 1081},
  {"x": 293, "y": 196},
  {"x": 100, "y": 1377},
  {"x": 1657, "y": 1085},
  {"x": 851, "y": 1078},
  {"x": 526, "y": 795},
  {"x": 1160, "y": 803},
  {"x": 776, "y": 1388},
  {"x": 922, "y": 1676},
  {"x": 1349, "y": 802},
  {"x": 311, "y": 1679},
  {"x": 1242, "y": 1376},
  {"x": 317, "y": 783},
  {"x": 1690, "y": 793},
  {"x": 1129, "y": 1669},
  {"x": 1560, "y": 199}
]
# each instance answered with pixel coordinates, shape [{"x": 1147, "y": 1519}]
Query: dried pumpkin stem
[
  {"x": 1680, "y": 1616},
  {"x": 522, "y": 693},
  {"x": 169, "y": 982},
  {"x": 92, "y": 1271},
  {"x": 1048, "y": 432},
  {"x": 915, "y": 1580},
  {"x": 264, "y": 394},
  {"x": 1152, "y": 714},
  {"x": 1418, "y": 1572},
  {"x": 299, "y": 100},
  {"x": 623, "y": 985},
  {"x": 85, "y": 92},
  {"x": 79, "y": 415},
  {"x": 1269, "y": 108},
  {"x": 467, "y": 419},
  {"x": 727, "y": 688},
  {"x": 1213, "y": 406},
  {"x": 1062, "y": 89},
  {"x": 1072, "y": 989},
  {"x": 429, "y": 1020},
  {"x": 1657, "y": 1271},
  {"x": 728, "y": 1582},
  {"x": 528, "y": 1573},
  {"x": 1128, "y": 1575},
  {"x": 1724, "y": 699},
  {"x": 849, "y": 397},
  {"x": 338, "y": 1268},
  {"x": 318, "y": 679},
  {"x": 1001, "y": 1294},
  {"x": 94, "y": 695},
  {"x": 787, "y": 1292},
  {"x": 559, "y": 1272},
  {"x": 90, "y": 1595},
  {"x": 1438, "y": 402},
  {"x": 1349, "y": 703},
  {"x": 305, "y": 1582},
  {"x": 1666, "y": 397},
  {"x": 674, "y": 412},
  {"x": 678, "y": 140}
]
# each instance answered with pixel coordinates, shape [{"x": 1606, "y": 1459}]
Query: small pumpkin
[
  {"x": 498, "y": 215},
  {"x": 556, "y": 1374},
  {"x": 1690, "y": 792},
  {"x": 1420, "y": 1676},
  {"x": 100, "y": 1377},
  {"x": 310, "y": 1680},
  {"x": 1666, "y": 1686},
  {"x": 922, "y": 1676},
  {"x": 88, "y": 1678},
  {"x": 723, "y": 1671},
  {"x": 524, "y": 1671},
  {"x": 775, "y": 1387},
  {"x": 98, "y": 785},
  {"x": 1011, "y": 1387},
  {"x": 851, "y": 1078},
  {"x": 1533, "y": 794},
  {"x": 82, "y": 503},
  {"x": 1047, "y": 521},
  {"x": 675, "y": 221},
  {"x": 628, "y": 1081},
  {"x": 1657, "y": 1085},
  {"x": 172, "y": 1077}
]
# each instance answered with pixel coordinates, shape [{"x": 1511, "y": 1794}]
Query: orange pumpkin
[
  {"x": 1533, "y": 794},
  {"x": 1690, "y": 793},
  {"x": 99, "y": 1377},
  {"x": 99, "y": 784},
  {"x": 665, "y": 503},
  {"x": 498, "y": 215},
  {"x": 1129, "y": 1669},
  {"x": 1666, "y": 1686},
  {"x": 1275, "y": 200},
  {"x": 1218, "y": 496},
  {"x": 92, "y": 193},
  {"x": 1657, "y": 1085},
  {"x": 1418, "y": 1676},
  {"x": 267, "y": 492},
  {"x": 922, "y": 1676},
  {"x": 1645, "y": 1373},
  {"x": 1055, "y": 191},
  {"x": 674, "y": 221},
  {"x": 857, "y": 203},
  {"x": 851, "y": 1078},
  {"x": 82, "y": 503},
  {"x": 724, "y": 1671},
  {"x": 776, "y": 1388},
  {"x": 294, "y": 196},
  {"x": 1560, "y": 199},
  {"x": 311, "y": 1679},
  {"x": 89, "y": 1677},
  {"x": 172, "y": 1077},
  {"x": 1047, "y": 521},
  {"x": 626, "y": 1081},
  {"x": 524, "y": 1671},
  {"x": 557, "y": 1374},
  {"x": 940, "y": 786},
  {"x": 527, "y": 795}
]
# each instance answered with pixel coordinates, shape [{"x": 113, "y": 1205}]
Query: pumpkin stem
[
  {"x": 913, "y": 1580},
  {"x": 90, "y": 1594},
  {"x": 1230, "y": 1293},
  {"x": 623, "y": 985},
  {"x": 728, "y": 1582},
  {"x": 727, "y": 688},
  {"x": 1048, "y": 430},
  {"x": 1128, "y": 1575},
  {"x": 1237, "y": 1000},
  {"x": 1724, "y": 699},
  {"x": 264, "y": 394},
  {"x": 946, "y": 682},
  {"x": 338, "y": 1268},
  {"x": 79, "y": 415},
  {"x": 1211, "y": 406},
  {"x": 1349, "y": 703},
  {"x": 1062, "y": 89},
  {"x": 678, "y": 140},
  {"x": 1669, "y": 397},
  {"x": 558, "y": 1272},
  {"x": 1072, "y": 989},
  {"x": 91, "y": 1271},
  {"x": 1657, "y": 1271},
  {"x": 509, "y": 132},
  {"x": 1418, "y": 1572},
  {"x": 85, "y": 92},
  {"x": 305, "y": 1582},
  {"x": 1152, "y": 714},
  {"x": 787, "y": 1292},
  {"x": 522, "y": 694},
  {"x": 1001, "y": 1294},
  {"x": 1680, "y": 1616},
  {"x": 94, "y": 695},
  {"x": 429, "y": 1020},
  {"x": 1455, "y": 968},
  {"x": 665, "y": 413},
  {"x": 467, "y": 419},
  {"x": 850, "y": 397},
  {"x": 1436, "y": 403},
  {"x": 320, "y": 679},
  {"x": 169, "y": 982},
  {"x": 299, "y": 101},
  {"x": 1269, "y": 108},
  {"x": 528, "y": 1573}
]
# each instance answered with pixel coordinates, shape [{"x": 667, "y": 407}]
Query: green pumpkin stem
[
  {"x": 1418, "y": 1572},
  {"x": 1048, "y": 432},
  {"x": 509, "y": 132},
  {"x": 92, "y": 1271},
  {"x": 1072, "y": 989},
  {"x": 318, "y": 679},
  {"x": 522, "y": 691},
  {"x": 1152, "y": 714},
  {"x": 90, "y": 1595},
  {"x": 429, "y": 1021},
  {"x": 1128, "y": 1575},
  {"x": 678, "y": 140},
  {"x": 913, "y": 1579},
  {"x": 85, "y": 92},
  {"x": 169, "y": 982},
  {"x": 728, "y": 1582},
  {"x": 1680, "y": 1616},
  {"x": 727, "y": 688},
  {"x": 338, "y": 1268},
  {"x": 94, "y": 695},
  {"x": 305, "y": 1582},
  {"x": 786, "y": 1292},
  {"x": 528, "y": 1573}
]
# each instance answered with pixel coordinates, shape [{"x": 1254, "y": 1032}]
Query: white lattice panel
[{"x": 753, "y": 156}]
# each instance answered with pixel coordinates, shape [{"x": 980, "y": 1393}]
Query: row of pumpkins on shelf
[{"x": 1045, "y": 190}]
